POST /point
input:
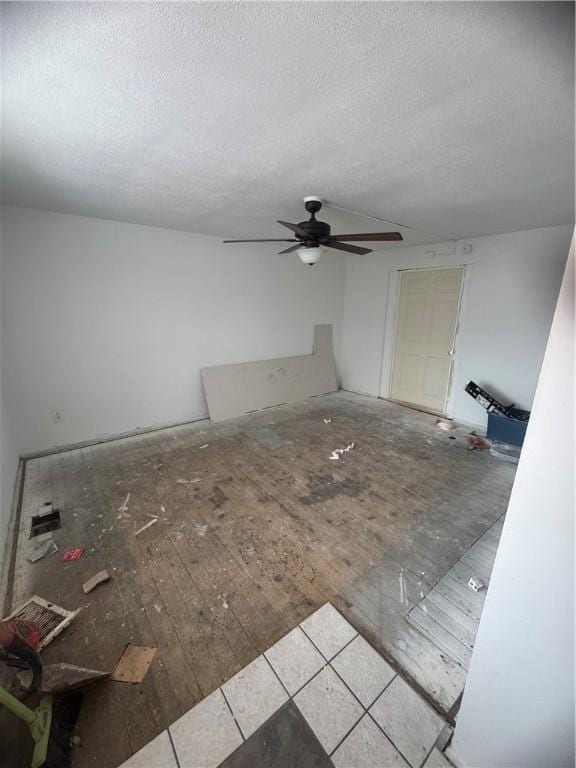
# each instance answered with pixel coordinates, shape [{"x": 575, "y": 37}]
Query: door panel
[{"x": 425, "y": 330}]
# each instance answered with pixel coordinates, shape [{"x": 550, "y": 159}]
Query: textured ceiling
[{"x": 455, "y": 118}]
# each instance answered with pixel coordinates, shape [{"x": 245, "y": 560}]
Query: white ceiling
[{"x": 455, "y": 118}]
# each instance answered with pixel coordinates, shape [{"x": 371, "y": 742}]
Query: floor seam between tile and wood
[{"x": 326, "y": 622}]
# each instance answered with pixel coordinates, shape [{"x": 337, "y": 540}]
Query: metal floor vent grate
[
  {"x": 45, "y": 522},
  {"x": 50, "y": 618}
]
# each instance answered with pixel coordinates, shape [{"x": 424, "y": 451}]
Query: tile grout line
[
  {"x": 277, "y": 676},
  {"x": 377, "y": 724},
  {"x": 329, "y": 664},
  {"x": 173, "y": 748},
  {"x": 366, "y": 709},
  {"x": 318, "y": 649},
  {"x": 221, "y": 689},
  {"x": 343, "y": 739}
]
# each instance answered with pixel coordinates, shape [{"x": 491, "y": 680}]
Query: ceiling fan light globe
[{"x": 309, "y": 256}]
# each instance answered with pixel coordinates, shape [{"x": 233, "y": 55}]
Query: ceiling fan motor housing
[{"x": 316, "y": 230}]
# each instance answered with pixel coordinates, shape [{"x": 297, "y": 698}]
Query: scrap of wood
[
  {"x": 97, "y": 579},
  {"x": 134, "y": 664},
  {"x": 139, "y": 531}
]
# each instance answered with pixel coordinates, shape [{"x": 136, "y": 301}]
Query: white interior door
[{"x": 425, "y": 331}]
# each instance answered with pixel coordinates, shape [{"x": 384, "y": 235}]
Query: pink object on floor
[{"x": 74, "y": 553}]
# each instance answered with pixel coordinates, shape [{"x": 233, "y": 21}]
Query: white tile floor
[
  {"x": 295, "y": 660},
  {"x": 362, "y": 713},
  {"x": 329, "y": 707},
  {"x": 254, "y": 694}
]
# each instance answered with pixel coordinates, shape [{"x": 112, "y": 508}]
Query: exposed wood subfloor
[
  {"x": 450, "y": 613},
  {"x": 256, "y": 528}
]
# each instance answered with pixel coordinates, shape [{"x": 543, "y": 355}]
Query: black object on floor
[
  {"x": 495, "y": 406},
  {"x": 44, "y": 523},
  {"x": 285, "y": 741}
]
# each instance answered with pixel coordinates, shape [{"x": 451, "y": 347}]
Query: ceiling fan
[{"x": 313, "y": 235}]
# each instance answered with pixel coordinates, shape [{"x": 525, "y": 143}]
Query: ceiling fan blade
[
  {"x": 289, "y": 250},
  {"x": 346, "y": 247},
  {"x": 273, "y": 240},
  {"x": 370, "y": 237},
  {"x": 295, "y": 228}
]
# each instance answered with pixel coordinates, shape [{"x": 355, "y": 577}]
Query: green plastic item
[{"x": 39, "y": 721}]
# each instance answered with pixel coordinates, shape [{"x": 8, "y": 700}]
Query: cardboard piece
[
  {"x": 234, "y": 390},
  {"x": 134, "y": 664}
]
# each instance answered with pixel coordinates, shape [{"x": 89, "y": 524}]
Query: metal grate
[
  {"x": 50, "y": 618},
  {"x": 44, "y": 522}
]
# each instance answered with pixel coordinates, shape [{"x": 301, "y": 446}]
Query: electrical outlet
[{"x": 57, "y": 416}]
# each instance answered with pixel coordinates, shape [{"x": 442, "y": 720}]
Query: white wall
[
  {"x": 510, "y": 291},
  {"x": 8, "y": 452},
  {"x": 518, "y": 705},
  {"x": 110, "y": 323}
]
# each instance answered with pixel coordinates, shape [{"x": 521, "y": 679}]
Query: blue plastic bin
[{"x": 507, "y": 430}]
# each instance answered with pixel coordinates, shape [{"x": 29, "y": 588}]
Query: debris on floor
[
  {"x": 476, "y": 584},
  {"x": 51, "y": 619},
  {"x": 339, "y": 451},
  {"x": 134, "y": 664},
  {"x": 95, "y": 581},
  {"x": 124, "y": 506},
  {"x": 327, "y": 421},
  {"x": 144, "y": 527},
  {"x": 72, "y": 553},
  {"x": 46, "y": 520},
  {"x": 476, "y": 443},
  {"x": 41, "y": 546},
  {"x": 505, "y": 452},
  {"x": 57, "y": 678},
  {"x": 492, "y": 405},
  {"x": 444, "y": 425}
]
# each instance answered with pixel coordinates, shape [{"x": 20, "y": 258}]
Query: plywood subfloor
[{"x": 256, "y": 528}]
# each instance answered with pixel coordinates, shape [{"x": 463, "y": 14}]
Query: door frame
[{"x": 392, "y": 306}]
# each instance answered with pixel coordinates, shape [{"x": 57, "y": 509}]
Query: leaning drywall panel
[{"x": 234, "y": 390}]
